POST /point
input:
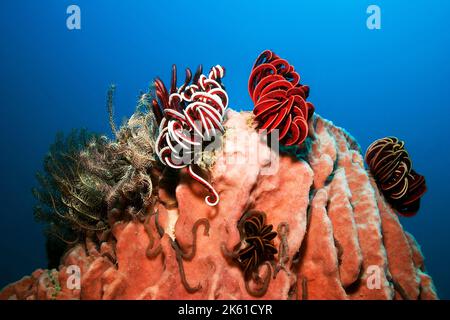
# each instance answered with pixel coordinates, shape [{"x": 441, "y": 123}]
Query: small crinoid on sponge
[
  {"x": 258, "y": 238},
  {"x": 280, "y": 99},
  {"x": 188, "y": 117},
  {"x": 256, "y": 248},
  {"x": 391, "y": 167}
]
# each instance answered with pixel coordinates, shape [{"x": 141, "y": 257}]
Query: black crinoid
[
  {"x": 257, "y": 238},
  {"x": 391, "y": 167}
]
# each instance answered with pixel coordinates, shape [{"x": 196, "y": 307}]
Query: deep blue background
[{"x": 393, "y": 81}]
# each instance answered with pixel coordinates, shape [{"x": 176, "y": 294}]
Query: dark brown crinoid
[
  {"x": 391, "y": 167},
  {"x": 258, "y": 239}
]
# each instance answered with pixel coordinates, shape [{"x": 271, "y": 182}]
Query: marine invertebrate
[
  {"x": 90, "y": 179},
  {"x": 256, "y": 249},
  {"x": 134, "y": 150},
  {"x": 391, "y": 166},
  {"x": 258, "y": 239},
  {"x": 279, "y": 98},
  {"x": 110, "y": 106},
  {"x": 189, "y": 117},
  {"x": 126, "y": 162},
  {"x": 70, "y": 197},
  {"x": 150, "y": 251},
  {"x": 182, "y": 255}
]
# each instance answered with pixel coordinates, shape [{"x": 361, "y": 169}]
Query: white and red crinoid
[{"x": 189, "y": 117}]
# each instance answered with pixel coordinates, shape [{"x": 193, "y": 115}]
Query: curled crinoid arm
[
  {"x": 184, "y": 281},
  {"x": 151, "y": 252},
  {"x": 229, "y": 254},
  {"x": 180, "y": 255},
  {"x": 158, "y": 226},
  {"x": 213, "y": 198},
  {"x": 264, "y": 283},
  {"x": 189, "y": 256}
]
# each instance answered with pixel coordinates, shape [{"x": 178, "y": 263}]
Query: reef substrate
[{"x": 337, "y": 237}]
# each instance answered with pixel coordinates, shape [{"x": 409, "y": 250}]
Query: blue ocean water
[{"x": 374, "y": 83}]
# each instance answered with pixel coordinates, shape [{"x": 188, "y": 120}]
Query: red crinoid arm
[
  {"x": 282, "y": 66},
  {"x": 161, "y": 93},
  {"x": 175, "y": 102},
  {"x": 287, "y": 71},
  {"x": 274, "y": 120},
  {"x": 265, "y": 57},
  {"x": 273, "y": 84},
  {"x": 311, "y": 109},
  {"x": 161, "y": 101},
  {"x": 173, "y": 83},
  {"x": 296, "y": 91},
  {"x": 285, "y": 129},
  {"x": 278, "y": 94},
  {"x": 305, "y": 89},
  {"x": 281, "y": 116},
  {"x": 262, "y": 84},
  {"x": 197, "y": 74},
  {"x": 300, "y": 107},
  {"x": 259, "y": 73},
  {"x": 299, "y": 131},
  {"x": 295, "y": 134},
  {"x": 157, "y": 111},
  {"x": 266, "y": 107},
  {"x": 293, "y": 77},
  {"x": 186, "y": 80}
]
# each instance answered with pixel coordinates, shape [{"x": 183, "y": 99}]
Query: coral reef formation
[
  {"x": 391, "y": 166},
  {"x": 334, "y": 235},
  {"x": 302, "y": 221}
]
